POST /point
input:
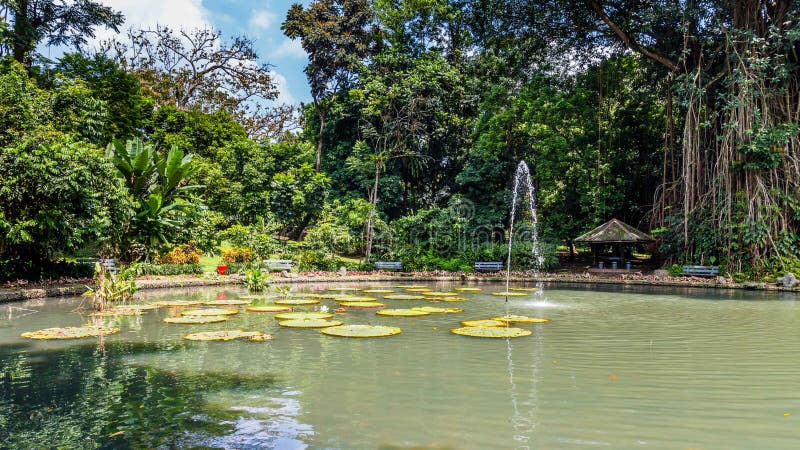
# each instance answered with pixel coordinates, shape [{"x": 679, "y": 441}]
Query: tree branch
[{"x": 598, "y": 8}]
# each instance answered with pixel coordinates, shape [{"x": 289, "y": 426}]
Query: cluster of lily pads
[{"x": 190, "y": 312}]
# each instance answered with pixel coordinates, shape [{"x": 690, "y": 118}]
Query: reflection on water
[{"x": 619, "y": 368}]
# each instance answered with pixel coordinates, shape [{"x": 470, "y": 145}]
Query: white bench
[
  {"x": 278, "y": 264},
  {"x": 489, "y": 266},
  {"x": 388, "y": 265},
  {"x": 701, "y": 271},
  {"x": 107, "y": 263}
]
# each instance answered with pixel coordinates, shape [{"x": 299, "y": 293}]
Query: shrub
[
  {"x": 183, "y": 254},
  {"x": 256, "y": 280},
  {"x": 675, "y": 270},
  {"x": 237, "y": 255},
  {"x": 740, "y": 277},
  {"x": 316, "y": 260}
]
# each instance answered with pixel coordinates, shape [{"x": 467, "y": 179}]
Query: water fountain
[{"x": 523, "y": 174}]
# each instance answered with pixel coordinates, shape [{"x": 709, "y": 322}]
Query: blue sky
[{"x": 259, "y": 20}]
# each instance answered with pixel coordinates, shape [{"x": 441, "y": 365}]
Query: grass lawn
[{"x": 210, "y": 263}]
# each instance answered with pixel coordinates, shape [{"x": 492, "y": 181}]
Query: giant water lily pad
[
  {"x": 401, "y": 313},
  {"x": 361, "y": 331},
  {"x": 228, "y": 335},
  {"x": 469, "y": 289},
  {"x": 411, "y": 286},
  {"x": 343, "y": 289},
  {"x": 509, "y": 294},
  {"x": 491, "y": 332},
  {"x": 403, "y": 297},
  {"x": 363, "y": 305},
  {"x": 195, "y": 320},
  {"x": 449, "y": 299},
  {"x": 115, "y": 312},
  {"x": 134, "y": 307},
  {"x": 440, "y": 294},
  {"x": 422, "y": 289},
  {"x": 435, "y": 310},
  {"x": 354, "y": 298},
  {"x": 309, "y": 323},
  {"x": 177, "y": 303},
  {"x": 377, "y": 291},
  {"x": 257, "y": 297},
  {"x": 269, "y": 309},
  {"x": 483, "y": 323},
  {"x": 227, "y": 302},
  {"x": 297, "y": 301},
  {"x": 524, "y": 289},
  {"x": 511, "y": 318},
  {"x": 70, "y": 332},
  {"x": 303, "y": 315},
  {"x": 211, "y": 312}
]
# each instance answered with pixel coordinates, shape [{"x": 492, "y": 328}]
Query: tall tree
[
  {"x": 53, "y": 22},
  {"x": 197, "y": 69},
  {"x": 337, "y": 35}
]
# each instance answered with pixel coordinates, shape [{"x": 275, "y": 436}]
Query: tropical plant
[
  {"x": 256, "y": 280},
  {"x": 111, "y": 287}
]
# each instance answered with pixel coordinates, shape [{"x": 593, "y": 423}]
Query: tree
[
  {"x": 56, "y": 197},
  {"x": 197, "y": 70},
  {"x": 53, "y": 22},
  {"x": 337, "y": 35}
]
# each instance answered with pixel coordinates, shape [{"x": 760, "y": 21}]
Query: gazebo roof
[{"x": 614, "y": 232}]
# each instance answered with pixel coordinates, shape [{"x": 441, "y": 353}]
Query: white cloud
[
  {"x": 177, "y": 14},
  {"x": 284, "y": 95},
  {"x": 290, "y": 48},
  {"x": 262, "y": 20}
]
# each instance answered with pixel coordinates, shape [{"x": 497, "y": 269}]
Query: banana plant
[{"x": 158, "y": 184}]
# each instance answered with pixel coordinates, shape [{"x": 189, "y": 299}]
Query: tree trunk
[
  {"x": 321, "y": 116},
  {"x": 373, "y": 199}
]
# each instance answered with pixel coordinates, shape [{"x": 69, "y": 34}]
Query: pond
[{"x": 615, "y": 368}]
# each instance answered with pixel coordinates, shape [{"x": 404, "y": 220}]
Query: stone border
[{"x": 14, "y": 295}]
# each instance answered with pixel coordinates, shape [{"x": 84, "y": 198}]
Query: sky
[{"x": 260, "y": 20}]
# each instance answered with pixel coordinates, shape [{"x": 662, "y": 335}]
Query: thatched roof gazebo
[{"x": 617, "y": 234}]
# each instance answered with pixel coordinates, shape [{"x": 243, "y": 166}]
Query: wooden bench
[
  {"x": 701, "y": 271},
  {"x": 388, "y": 265},
  {"x": 489, "y": 266},
  {"x": 278, "y": 264}
]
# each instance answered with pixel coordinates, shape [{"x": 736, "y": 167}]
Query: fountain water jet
[{"x": 524, "y": 174}]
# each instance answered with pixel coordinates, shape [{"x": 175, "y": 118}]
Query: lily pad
[
  {"x": 435, "y": 310},
  {"x": 228, "y": 335},
  {"x": 134, "y": 307},
  {"x": 451, "y": 299},
  {"x": 524, "y": 289},
  {"x": 269, "y": 309},
  {"x": 483, "y": 323},
  {"x": 361, "y": 331},
  {"x": 511, "y": 318},
  {"x": 115, "y": 312},
  {"x": 258, "y": 297},
  {"x": 509, "y": 294},
  {"x": 70, "y": 332},
  {"x": 440, "y": 294},
  {"x": 227, "y": 302},
  {"x": 296, "y": 301},
  {"x": 422, "y": 289},
  {"x": 303, "y": 315},
  {"x": 491, "y": 332},
  {"x": 309, "y": 323},
  {"x": 363, "y": 305},
  {"x": 403, "y": 297},
  {"x": 195, "y": 320},
  {"x": 469, "y": 289},
  {"x": 211, "y": 312},
  {"x": 354, "y": 298},
  {"x": 377, "y": 291},
  {"x": 411, "y": 286},
  {"x": 401, "y": 313},
  {"x": 177, "y": 303},
  {"x": 343, "y": 289}
]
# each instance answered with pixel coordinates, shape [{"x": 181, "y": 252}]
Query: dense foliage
[{"x": 676, "y": 118}]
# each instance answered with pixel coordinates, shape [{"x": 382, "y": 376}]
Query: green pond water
[{"x": 616, "y": 368}]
